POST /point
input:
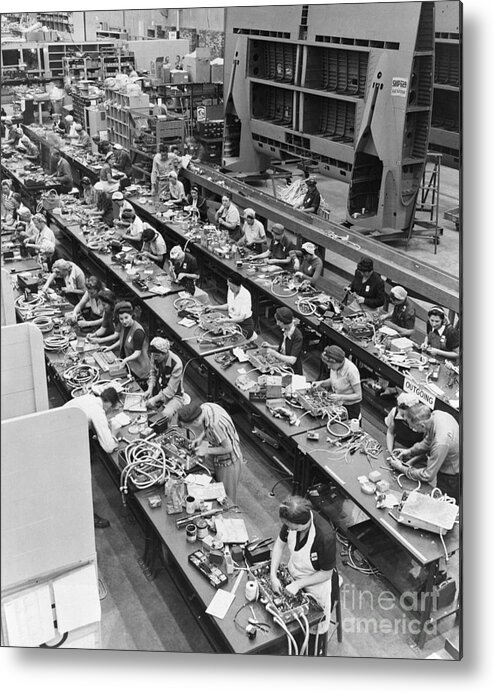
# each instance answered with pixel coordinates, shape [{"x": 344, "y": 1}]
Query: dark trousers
[{"x": 449, "y": 484}]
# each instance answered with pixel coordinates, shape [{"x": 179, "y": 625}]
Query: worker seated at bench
[{"x": 253, "y": 233}]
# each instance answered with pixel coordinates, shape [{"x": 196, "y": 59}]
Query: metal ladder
[{"x": 427, "y": 203}]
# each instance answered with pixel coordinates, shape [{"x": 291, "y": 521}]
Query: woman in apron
[
  {"x": 132, "y": 344},
  {"x": 311, "y": 543}
]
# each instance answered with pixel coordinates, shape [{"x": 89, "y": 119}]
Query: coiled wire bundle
[
  {"x": 25, "y": 305},
  {"x": 80, "y": 375},
  {"x": 189, "y": 303},
  {"x": 146, "y": 465},
  {"x": 219, "y": 332},
  {"x": 283, "y": 285},
  {"x": 44, "y": 323},
  {"x": 56, "y": 342}
]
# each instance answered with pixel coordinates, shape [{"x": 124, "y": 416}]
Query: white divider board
[
  {"x": 46, "y": 498},
  {"x": 7, "y": 305},
  {"x": 23, "y": 371}
]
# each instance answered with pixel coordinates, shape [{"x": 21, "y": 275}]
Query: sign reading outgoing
[
  {"x": 413, "y": 388},
  {"x": 399, "y": 86}
]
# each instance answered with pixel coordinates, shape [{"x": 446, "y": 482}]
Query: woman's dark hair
[
  {"x": 437, "y": 311},
  {"x": 235, "y": 279},
  {"x": 123, "y": 307},
  {"x": 94, "y": 283},
  {"x": 148, "y": 234},
  {"x": 295, "y": 509},
  {"x": 107, "y": 296},
  {"x": 110, "y": 394}
]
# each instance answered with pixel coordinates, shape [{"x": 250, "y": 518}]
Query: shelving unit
[
  {"x": 187, "y": 98},
  {"x": 83, "y": 105},
  {"x": 97, "y": 66},
  {"x": 119, "y": 118},
  {"x": 210, "y": 134},
  {"x": 57, "y": 21},
  {"x": 445, "y": 125},
  {"x": 56, "y": 52},
  {"x": 147, "y": 132}
]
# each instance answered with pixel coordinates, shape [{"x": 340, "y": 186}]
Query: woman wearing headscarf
[{"x": 217, "y": 442}]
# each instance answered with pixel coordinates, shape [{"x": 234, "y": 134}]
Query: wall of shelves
[
  {"x": 119, "y": 116},
  {"x": 446, "y": 112},
  {"x": 96, "y": 66}
]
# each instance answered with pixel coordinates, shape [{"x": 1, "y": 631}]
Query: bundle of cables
[
  {"x": 80, "y": 375},
  {"x": 359, "y": 326},
  {"x": 56, "y": 342},
  {"x": 283, "y": 285},
  {"x": 25, "y": 304},
  {"x": 354, "y": 559},
  {"x": 210, "y": 322},
  {"x": 188, "y": 303},
  {"x": 405, "y": 359},
  {"x": 146, "y": 465},
  {"x": 44, "y": 323},
  {"x": 306, "y": 306},
  {"x": 220, "y": 333},
  {"x": 334, "y": 413}
]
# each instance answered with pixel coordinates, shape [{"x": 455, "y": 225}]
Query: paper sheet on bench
[
  {"x": 222, "y": 600},
  {"x": 231, "y": 530},
  {"x": 213, "y": 491}
]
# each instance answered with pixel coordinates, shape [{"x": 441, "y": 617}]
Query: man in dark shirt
[
  {"x": 401, "y": 315},
  {"x": 183, "y": 268},
  {"x": 63, "y": 174},
  {"x": 122, "y": 160},
  {"x": 279, "y": 247},
  {"x": 367, "y": 285},
  {"x": 312, "y": 198}
]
